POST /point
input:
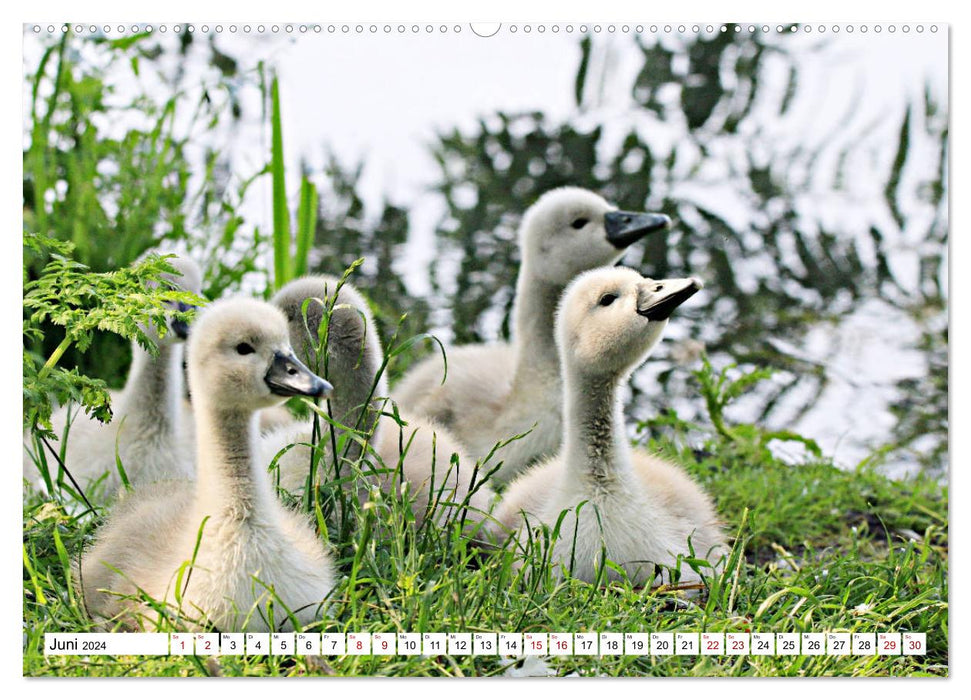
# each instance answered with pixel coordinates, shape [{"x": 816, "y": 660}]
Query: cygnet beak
[
  {"x": 657, "y": 299},
  {"x": 181, "y": 328},
  {"x": 626, "y": 227},
  {"x": 288, "y": 376}
]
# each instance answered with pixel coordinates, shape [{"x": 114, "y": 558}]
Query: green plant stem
[
  {"x": 715, "y": 413},
  {"x": 55, "y": 357}
]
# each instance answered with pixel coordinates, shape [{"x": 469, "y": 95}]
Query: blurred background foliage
[
  {"x": 784, "y": 273},
  {"x": 344, "y": 234},
  {"x": 108, "y": 170},
  {"x": 775, "y": 269}
]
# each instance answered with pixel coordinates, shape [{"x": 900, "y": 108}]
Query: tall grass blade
[
  {"x": 122, "y": 474},
  {"x": 282, "y": 264},
  {"x": 34, "y": 582},
  {"x": 306, "y": 223}
]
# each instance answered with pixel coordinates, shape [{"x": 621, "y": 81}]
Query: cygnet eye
[
  {"x": 245, "y": 349},
  {"x": 608, "y": 299},
  {"x": 580, "y": 223}
]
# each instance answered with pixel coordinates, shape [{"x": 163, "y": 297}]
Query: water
[{"x": 806, "y": 175}]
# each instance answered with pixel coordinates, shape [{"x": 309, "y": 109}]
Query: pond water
[
  {"x": 806, "y": 176},
  {"x": 834, "y": 268}
]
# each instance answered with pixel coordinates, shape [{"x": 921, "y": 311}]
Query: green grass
[{"x": 816, "y": 548}]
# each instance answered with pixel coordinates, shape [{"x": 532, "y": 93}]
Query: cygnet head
[
  {"x": 189, "y": 279},
  {"x": 611, "y": 318},
  {"x": 354, "y": 354},
  {"x": 569, "y": 230},
  {"x": 351, "y": 333},
  {"x": 240, "y": 358}
]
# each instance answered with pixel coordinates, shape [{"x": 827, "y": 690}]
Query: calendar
[
  {"x": 599, "y": 301},
  {"x": 488, "y": 644}
]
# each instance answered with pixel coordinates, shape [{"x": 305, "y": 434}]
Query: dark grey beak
[
  {"x": 288, "y": 376},
  {"x": 657, "y": 299},
  {"x": 626, "y": 227},
  {"x": 181, "y": 328}
]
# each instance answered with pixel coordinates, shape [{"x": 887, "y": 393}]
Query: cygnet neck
[
  {"x": 533, "y": 313},
  {"x": 230, "y": 483},
  {"x": 595, "y": 444},
  {"x": 352, "y": 387},
  {"x": 151, "y": 399}
]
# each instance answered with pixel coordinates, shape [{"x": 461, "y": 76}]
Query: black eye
[
  {"x": 580, "y": 223},
  {"x": 245, "y": 349},
  {"x": 608, "y": 299}
]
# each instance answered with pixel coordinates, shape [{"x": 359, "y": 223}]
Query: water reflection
[
  {"x": 826, "y": 262},
  {"x": 818, "y": 220}
]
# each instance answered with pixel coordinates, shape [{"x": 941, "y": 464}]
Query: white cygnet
[
  {"x": 147, "y": 431},
  {"x": 416, "y": 453},
  {"x": 639, "y": 509},
  {"x": 494, "y": 392},
  {"x": 221, "y": 551}
]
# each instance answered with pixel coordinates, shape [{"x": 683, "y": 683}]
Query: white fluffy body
[
  {"x": 643, "y": 517},
  {"x": 494, "y": 392},
  {"x": 152, "y": 439},
  {"x": 419, "y": 453},
  {"x": 252, "y": 550},
  {"x": 641, "y": 509}
]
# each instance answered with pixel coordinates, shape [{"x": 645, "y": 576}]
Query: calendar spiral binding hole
[{"x": 521, "y": 29}]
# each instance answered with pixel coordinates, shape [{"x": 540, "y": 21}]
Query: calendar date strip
[{"x": 488, "y": 644}]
